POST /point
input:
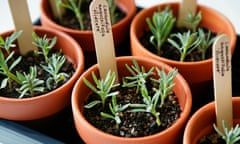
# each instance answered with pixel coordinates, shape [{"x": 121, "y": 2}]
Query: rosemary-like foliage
[
  {"x": 6, "y": 70},
  {"x": 206, "y": 41},
  {"x": 151, "y": 103},
  {"x": 138, "y": 79},
  {"x": 160, "y": 26},
  {"x": 45, "y": 44},
  {"x": 165, "y": 82},
  {"x": 54, "y": 66},
  {"x": 187, "y": 43},
  {"x": 138, "y": 76},
  {"x": 9, "y": 41},
  {"x": 192, "y": 21},
  {"x": 102, "y": 89},
  {"x": 115, "y": 110},
  {"x": 6, "y": 66},
  {"x": 75, "y": 6},
  {"x": 112, "y": 4},
  {"x": 30, "y": 83},
  {"x": 231, "y": 136}
]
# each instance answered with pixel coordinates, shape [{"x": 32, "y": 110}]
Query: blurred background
[{"x": 230, "y": 9}]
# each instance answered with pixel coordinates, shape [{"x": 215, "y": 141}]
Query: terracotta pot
[
  {"x": 201, "y": 123},
  {"x": 198, "y": 74},
  {"x": 85, "y": 38},
  {"x": 54, "y": 101},
  {"x": 92, "y": 135},
  {"x": 194, "y": 72}
]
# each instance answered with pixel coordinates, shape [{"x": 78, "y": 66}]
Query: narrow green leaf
[
  {"x": 4, "y": 83},
  {"x": 106, "y": 115},
  {"x": 92, "y": 104}
]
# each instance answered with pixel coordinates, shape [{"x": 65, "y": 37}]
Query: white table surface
[{"x": 230, "y": 8}]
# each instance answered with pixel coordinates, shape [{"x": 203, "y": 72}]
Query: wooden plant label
[
  {"x": 103, "y": 39},
  {"x": 22, "y": 21},
  {"x": 222, "y": 80}
]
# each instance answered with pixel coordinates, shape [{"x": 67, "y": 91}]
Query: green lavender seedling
[
  {"x": 205, "y": 42},
  {"x": 54, "y": 66},
  {"x": 75, "y": 6},
  {"x": 102, "y": 89},
  {"x": 138, "y": 76},
  {"x": 115, "y": 110},
  {"x": 9, "y": 41},
  {"x": 151, "y": 103},
  {"x": 59, "y": 10},
  {"x": 160, "y": 26},
  {"x": 187, "y": 43},
  {"x": 5, "y": 69},
  {"x": 165, "y": 82},
  {"x": 29, "y": 83},
  {"x": 231, "y": 136},
  {"x": 5, "y": 65},
  {"x": 112, "y": 4},
  {"x": 138, "y": 79},
  {"x": 45, "y": 44},
  {"x": 192, "y": 21}
]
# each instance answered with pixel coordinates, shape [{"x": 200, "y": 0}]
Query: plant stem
[
  {"x": 13, "y": 77},
  {"x": 77, "y": 12},
  {"x": 76, "y": 8}
]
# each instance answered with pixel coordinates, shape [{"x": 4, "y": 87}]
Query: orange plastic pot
[
  {"x": 47, "y": 104},
  {"x": 201, "y": 123},
  {"x": 92, "y": 135},
  {"x": 85, "y": 38},
  {"x": 194, "y": 72}
]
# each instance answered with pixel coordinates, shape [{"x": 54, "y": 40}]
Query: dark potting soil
[
  {"x": 212, "y": 138},
  {"x": 134, "y": 124},
  {"x": 170, "y": 52},
  {"x": 30, "y": 60},
  {"x": 69, "y": 19}
]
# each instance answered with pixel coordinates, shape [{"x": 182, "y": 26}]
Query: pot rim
[
  {"x": 180, "y": 121},
  {"x": 44, "y": 15},
  {"x": 78, "y": 70}
]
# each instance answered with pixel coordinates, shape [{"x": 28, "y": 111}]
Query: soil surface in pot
[
  {"x": 213, "y": 138},
  {"x": 134, "y": 124},
  {"x": 69, "y": 20},
  {"x": 30, "y": 60},
  {"x": 170, "y": 52}
]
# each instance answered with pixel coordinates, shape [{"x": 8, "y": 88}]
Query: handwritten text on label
[
  {"x": 100, "y": 19},
  {"x": 222, "y": 58}
]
